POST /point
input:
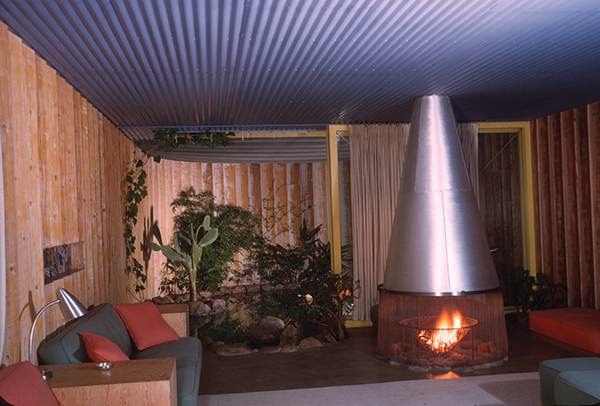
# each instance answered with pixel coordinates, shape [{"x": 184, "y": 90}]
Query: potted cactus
[{"x": 186, "y": 251}]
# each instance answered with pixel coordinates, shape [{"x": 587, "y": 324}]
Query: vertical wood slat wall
[
  {"x": 566, "y": 172},
  {"x": 245, "y": 185},
  {"x": 62, "y": 179},
  {"x": 499, "y": 203}
]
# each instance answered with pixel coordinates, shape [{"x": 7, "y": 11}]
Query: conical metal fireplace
[
  {"x": 439, "y": 258},
  {"x": 438, "y": 244}
]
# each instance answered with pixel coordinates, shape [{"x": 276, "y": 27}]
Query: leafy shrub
[
  {"x": 237, "y": 233},
  {"x": 317, "y": 298},
  {"x": 229, "y": 331}
]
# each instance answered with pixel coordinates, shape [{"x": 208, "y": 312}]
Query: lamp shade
[{"x": 70, "y": 307}]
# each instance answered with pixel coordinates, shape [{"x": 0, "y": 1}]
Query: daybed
[
  {"x": 570, "y": 381},
  {"x": 68, "y": 347},
  {"x": 578, "y": 327}
]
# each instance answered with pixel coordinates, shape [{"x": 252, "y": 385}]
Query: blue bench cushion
[
  {"x": 67, "y": 346},
  {"x": 550, "y": 369},
  {"x": 577, "y": 388},
  {"x": 188, "y": 353}
]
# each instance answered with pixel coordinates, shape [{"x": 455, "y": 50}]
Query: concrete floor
[{"x": 352, "y": 362}]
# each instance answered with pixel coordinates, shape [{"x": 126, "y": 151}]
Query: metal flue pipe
[{"x": 438, "y": 244}]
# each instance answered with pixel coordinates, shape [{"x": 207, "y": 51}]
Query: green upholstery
[
  {"x": 67, "y": 347},
  {"x": 189, "y": 365},
  {"x": 551, "y": 369},
  {"x": 577, "y": 388}
]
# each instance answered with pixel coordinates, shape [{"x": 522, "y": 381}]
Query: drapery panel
[
  {"x": 376, "y": 159},
  {"x": 468, "y": 135}
]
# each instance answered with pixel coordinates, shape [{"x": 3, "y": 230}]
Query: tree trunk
[{"x": 193, "y": 294}]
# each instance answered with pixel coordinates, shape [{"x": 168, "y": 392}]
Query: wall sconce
[{"x": 70, "y": 307}]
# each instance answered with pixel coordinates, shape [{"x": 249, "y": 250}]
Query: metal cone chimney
[{"x": 438, "y": 244}]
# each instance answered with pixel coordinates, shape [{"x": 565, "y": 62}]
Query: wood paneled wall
[
  {"x": 62, "y": 180},
  {"x": 566, "y": 186},
  {"x": 63, "y": 166},
  {"x": 299, "y": 187},
  {"x": 499, "y": 203}
]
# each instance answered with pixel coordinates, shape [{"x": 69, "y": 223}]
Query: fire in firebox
[
  {"x": 448, "y": 331},
  {"x": 439, "y": 333}
]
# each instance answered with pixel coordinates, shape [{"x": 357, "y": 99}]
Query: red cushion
[
  {"x": 577, "y": 326},
  {"x": 22, "y": 384},
  {"x": 145, "y": 324},
  {"x": 101, "y": 349}
]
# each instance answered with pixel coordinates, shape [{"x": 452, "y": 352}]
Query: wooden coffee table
[{"x": 148, "y": 382}]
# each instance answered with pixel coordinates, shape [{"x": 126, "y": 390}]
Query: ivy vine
[{"x": 136, "y": 189}]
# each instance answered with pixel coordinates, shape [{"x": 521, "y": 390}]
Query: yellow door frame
[
  {"x": 522, "y": 128},
  {"x": 333, "y": 192}
]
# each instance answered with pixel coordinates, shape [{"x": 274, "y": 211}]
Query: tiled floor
[{"x": 351, "y": 362}]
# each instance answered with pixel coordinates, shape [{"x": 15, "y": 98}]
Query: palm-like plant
[{"x": 186, "y": 251}]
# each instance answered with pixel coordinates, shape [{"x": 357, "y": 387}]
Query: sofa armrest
[{"x": 177, "y": 317}]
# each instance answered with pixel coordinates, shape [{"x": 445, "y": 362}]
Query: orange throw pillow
[
  {"x": 22, "y": 384},
  {"x": 145, "y": 324},
  {"x": 101, "y": 349}
]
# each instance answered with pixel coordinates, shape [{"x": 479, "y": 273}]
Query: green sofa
[
  {"x": 67, "y": 347},
  {"x": 570, "y": 381}
]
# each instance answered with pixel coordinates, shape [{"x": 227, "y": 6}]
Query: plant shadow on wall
[{"x": 136, "y": 190}]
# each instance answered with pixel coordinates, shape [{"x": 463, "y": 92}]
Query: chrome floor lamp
[{"x": 70, "y": 307}]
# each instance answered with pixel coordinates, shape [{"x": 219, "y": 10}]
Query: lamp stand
[{"x": 33, "y": 327}]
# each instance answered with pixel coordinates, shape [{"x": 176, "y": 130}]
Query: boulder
[
  {"x": 182, "y": 298},
  {"x": 309, "y": 342},
  {"x": 217, "y": 306},
  {"x": 287, "y": 337},
  {"x": 267, "y": 288},
  {"x": 292, "y": 285},
  {"x": 233, "y": 349},
  {"x": 270, "y": 321},
  {"x": 205, "y": 294},
  {"x": 215, "y": 345},
  {"x": 253, "y": 288},
  {"x": 163, "y": 300},
  {"x": 218, "y": 319},
  {"x": 271, "y": 349},
  {"x": 289, "y": 348},
  {"x": 198, "y": 322},
  {"x": 198, "y": 309},
  {"x": 206, "y": 341},
  {"x": 263, "y": 334}
]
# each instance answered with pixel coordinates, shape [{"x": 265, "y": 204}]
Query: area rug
[{"x": 487, "y": 390}]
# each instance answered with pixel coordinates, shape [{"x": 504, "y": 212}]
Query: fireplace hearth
[{"x": 408, "y": 332}]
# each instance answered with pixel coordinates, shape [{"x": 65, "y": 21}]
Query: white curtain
[
  {"x": 376, "y": 160},
  {"x": 468, "y": 134}
]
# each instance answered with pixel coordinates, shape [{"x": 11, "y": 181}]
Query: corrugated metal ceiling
[{"x": 301, "y": 64}]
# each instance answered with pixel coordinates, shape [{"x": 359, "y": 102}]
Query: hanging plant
[{"x": 136, "y": 190}]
